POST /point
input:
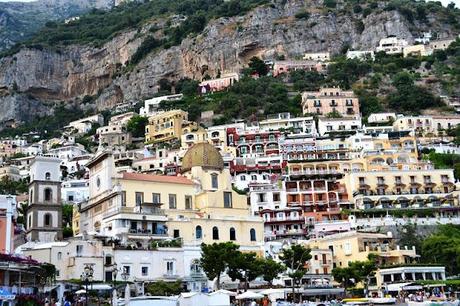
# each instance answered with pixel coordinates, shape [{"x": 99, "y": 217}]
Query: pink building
[
  {"x": 219, "y": 84},
  {"x": 328, "y": 100},
  {"x": 281, "y": 67}
]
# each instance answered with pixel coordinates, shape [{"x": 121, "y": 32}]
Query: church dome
[{"x": 202, "y": 155}]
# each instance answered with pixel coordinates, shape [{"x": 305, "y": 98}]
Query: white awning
[{"x": 397, "y": 287}]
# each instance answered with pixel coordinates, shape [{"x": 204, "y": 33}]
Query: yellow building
[
  {"x": 356, "y": 246},
  {"x": 168, "y": 126},
  {"x": 199, "y": 206}
]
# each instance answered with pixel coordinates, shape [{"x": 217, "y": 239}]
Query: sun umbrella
[
  {"x": 81, "y": 291},
  {"x": 249, "y": 295},
  {"x": 127, "y": 294}
]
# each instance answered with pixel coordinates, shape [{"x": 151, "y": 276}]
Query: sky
[{"x": 444, "y": 2}]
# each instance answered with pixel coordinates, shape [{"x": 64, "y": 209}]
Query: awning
[
  {"x": 99, "y": 287},
  {"x": 397, "y": 287},
  {"x": 412, "y": 287}
]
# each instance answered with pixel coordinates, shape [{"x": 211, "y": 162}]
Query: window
[
  {"x": 176, "y": 233},
  {"x": 127, "y": 270},
  {"x": 156, "y": 198},
  {"x": 123, "y": 198},
  {"x": 243, "y": 178},
  {"x": 48, "y": 194},
  {"x": 252, "y": 234},
  {"x": 47, "y": 176},
  {"x": 215, "y": 233},
  {"x": 59, "y": 255},
  {"x": 228, "y": 200},
  {"x": 253, "y": 177},
  {"x": 139, "y": 198},
  {"x": 79, "y": 249},
  {"x": 108, "y": 260},
  {"x": 214, "y": 182},
  {"x": 48, "y": 220},
  {"x": 31, "y": 196},
  {"x": 232, "y": 234},
  {"x": 172, "y": 201},
  {"x": 170, "y": 267},
  {"x": 30, "y": 221},
  {"x": 145, "y": 271},
  {"x": 195, "y": 266},
  {"x": 188, "y": 202},
  {"x": 198, "y": 232}
]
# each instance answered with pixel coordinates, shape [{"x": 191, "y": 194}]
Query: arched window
[
  {"x": 215, "y": 233},
  {"x": 48, "y": 220},
  {"x": 214, "y": 182},
  {"x": 198, "y": 232},
  {"x": 48, "y": 194},
  {"x": 59, "y": 255},
  {"x": 252, "y": 233},
  {"x": 47, "y": 176},
  {"x": 232, "y": 234}
]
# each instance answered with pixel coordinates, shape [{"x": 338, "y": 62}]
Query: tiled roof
[{"x": 157, "y": 178}]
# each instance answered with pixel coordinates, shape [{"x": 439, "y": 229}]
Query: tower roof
[{"x": 203, "y": 155}]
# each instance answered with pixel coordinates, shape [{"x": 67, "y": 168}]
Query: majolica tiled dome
[{"x": 202, "y": 155}]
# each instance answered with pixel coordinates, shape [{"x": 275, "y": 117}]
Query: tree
[
  {"x": 136, "y": 125},
  {"x": 356, "y": 272},
  {"x": 67, "y": 214},
  {"x": 408, "y": 236},
  {"x": 216, "y": 257},
  {"x": 271, "y": 270},
  {"x": 443, "y": 248},
  {"x": 245, "y": 267},
  {"x": 295, "y": 259},
  {"x": 258, "y": 66},
  {"x": 163, "y": 288}
]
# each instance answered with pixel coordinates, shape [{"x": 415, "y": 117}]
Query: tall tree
[
  {"x": 245, "y": 267},
  {"x": 295, "y": 259},
  {"x": 215, "y": 259},
  {"x": 271, "y": 270}
]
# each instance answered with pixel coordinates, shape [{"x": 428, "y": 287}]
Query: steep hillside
[
  {"x": 21, "y": 20},
  {"x": 124, "y": 58}
]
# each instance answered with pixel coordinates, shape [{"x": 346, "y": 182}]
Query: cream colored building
[
  {"x": 317, "y": 56},
  {"x": 391, "y": 45},
  {"x": 426, "y": 125},
  {"x": 399, "y": 189},
  {"x": 417, "y": 50},
  {"x": 328, "y": 100},
  {"x": 198, "y": 206},
  {"x": 168, "y": 126},
  {"x": 356, "y": 246}
]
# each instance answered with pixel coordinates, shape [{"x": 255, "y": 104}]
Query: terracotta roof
[{"x": 157, "y": 178}]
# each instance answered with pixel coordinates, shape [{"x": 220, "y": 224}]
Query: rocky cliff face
[
  {"x": 226, "y": 44},
  {"x": 20, "y": 20}
]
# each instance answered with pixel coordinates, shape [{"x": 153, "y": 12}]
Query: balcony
[
  {"x": 134, "y": 211},
  {"x": 325, "y": 262}
]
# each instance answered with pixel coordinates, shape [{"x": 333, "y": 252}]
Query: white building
[
  {"x": 391, "y": 45},
  {"x": 360, "y": 54},
  {"x": 151, "y": 105},
  {"x": 299, "y": 125},
  {"x": 330, "y": 125},
  {"x": 67, "y": 152},
  {"x": 317, "y": 56},
  {"x": 443, "y": 148},
  {"x": 84, "y": 125},
  {"x": 34, "y": 149},
  {"x": 381, "y": 117},
  {"x": 74, "y": 191}
]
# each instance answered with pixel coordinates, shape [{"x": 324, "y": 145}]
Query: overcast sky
[{"x": 445, "y": 2}]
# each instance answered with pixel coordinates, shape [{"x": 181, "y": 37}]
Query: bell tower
[{"x": 44, "y": 215}]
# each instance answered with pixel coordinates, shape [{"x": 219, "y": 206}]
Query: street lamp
[
  {"x": 114, "y": 277},
  {"x": 87, "y": 277}
]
